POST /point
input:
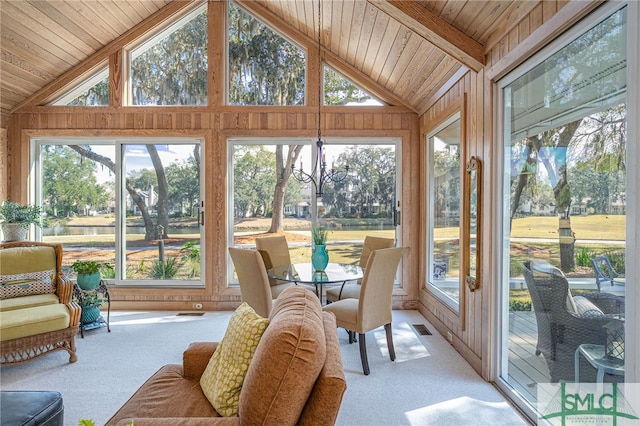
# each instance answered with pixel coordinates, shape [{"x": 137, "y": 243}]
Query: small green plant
[
  {"x": 107, "y": 271},
  {"x": 86, "y": 267},
  {"x": 319, "y": 235},
  {"x": 191, "y": 258},
  {"x": 583, "y": 257},
  {"x": 91, "y": 299},
  {"x": 20, "y": 214},
  {"x": 617, "y": 261},
  {"x": 166, "y": 269}
]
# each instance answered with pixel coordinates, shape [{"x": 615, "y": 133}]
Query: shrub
[
  {"x": 584, "y": 256},
  {"x": 166, "y": 269}
]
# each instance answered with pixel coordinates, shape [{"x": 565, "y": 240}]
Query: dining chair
[
  {"x": 252, "y": 276},
  {"x": 274, "y": 250},
  {"x": 373, "y": 308},
  {"x": 352, "y": 290}
]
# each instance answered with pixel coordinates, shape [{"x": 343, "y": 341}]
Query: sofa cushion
[
  {"x": 165, "y": 394},
  {"x": 223, "y": 378},
  {"x": 32, "y": 321},
  {"x": 287, "y": 362},
  {"x": 26, "y": 284},
  {"x": 28, "y": 302}
]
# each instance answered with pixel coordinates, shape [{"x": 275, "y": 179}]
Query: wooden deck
[{"x": 524, "y": 367}]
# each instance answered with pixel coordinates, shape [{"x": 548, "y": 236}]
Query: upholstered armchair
[
  {"x": 37, "y": 313},
  {"x": 565, "y": 321}
]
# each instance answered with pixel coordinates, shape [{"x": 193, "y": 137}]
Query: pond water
[{"x": 106, "y": 230}]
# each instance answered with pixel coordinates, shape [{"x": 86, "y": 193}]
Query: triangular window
[
  {"x": 93, "y": 91},
  {"x": 264, "y": 68},
  {"x": 340, "y": 91},
  {"x": 170, "y": 68}
]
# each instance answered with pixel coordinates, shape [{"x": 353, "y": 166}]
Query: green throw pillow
[{"x": 222, "y": 379}]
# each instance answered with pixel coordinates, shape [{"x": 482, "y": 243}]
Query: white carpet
[{"x": 428, "y": 384}]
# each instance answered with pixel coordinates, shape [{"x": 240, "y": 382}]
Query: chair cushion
[
  {"x": 287, "y": 361},
  {"x": 28, "y": 302},
  {"x": 26, "y": 284},
  {"x": 349, "y": 291},
  {"x": 36, "y": 320},
  {"x": 585, "y": 308},
  {"x": 223, "y": 378},
  {"x": 18, "y": 260}
]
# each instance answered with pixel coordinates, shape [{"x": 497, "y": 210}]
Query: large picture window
[
  {"x": 132, "y": 204},
  {"x": 365, "y": 203}
]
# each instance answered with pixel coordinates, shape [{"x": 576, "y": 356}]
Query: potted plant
[
  {"x": 88, "y": 273},
  {"x": 15, "y": 219},
  {"x": 319, "y": 255},
  {"x": 90, "y": 305}
]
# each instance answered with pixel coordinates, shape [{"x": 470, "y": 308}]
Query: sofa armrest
[
  {"x": 196, "y": 358},
  {"x": 180, "y": 421}
]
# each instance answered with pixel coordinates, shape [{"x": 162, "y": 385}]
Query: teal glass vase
[{"x": 320, "y": 257}]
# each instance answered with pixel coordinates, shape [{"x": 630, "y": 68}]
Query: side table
[
  {"x": 80, "y": 294},
  {"x": 594, "y": 354}
]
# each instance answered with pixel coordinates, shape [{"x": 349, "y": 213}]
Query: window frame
[{"x": 119, "y": 143}]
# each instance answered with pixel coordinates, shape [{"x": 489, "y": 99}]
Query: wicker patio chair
[
  {"x": 40, "y": 322},
  {"x": 565, "y": 322}
]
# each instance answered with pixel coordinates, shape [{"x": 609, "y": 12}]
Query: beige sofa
[
  {"x": 37, "y": 313},
  {"x": 295, "y": 377}
]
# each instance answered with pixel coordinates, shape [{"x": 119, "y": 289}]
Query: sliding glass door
[{"x": 564, "y": 216}]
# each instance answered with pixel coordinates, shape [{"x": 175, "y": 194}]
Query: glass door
[{"x": 564, "y": 214}]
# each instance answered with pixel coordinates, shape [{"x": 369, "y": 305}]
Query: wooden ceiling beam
[{"x": 435, "y": 30}]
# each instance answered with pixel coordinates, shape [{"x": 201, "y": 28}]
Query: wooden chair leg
[
  {"x": 363, "y": 355},
  {"x": 392, "y": 351}
]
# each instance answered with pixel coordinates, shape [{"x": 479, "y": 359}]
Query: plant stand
[{"x": 80, "y": 294}]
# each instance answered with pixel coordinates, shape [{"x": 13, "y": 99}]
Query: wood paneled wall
[
  {"x": 466, "y": 326},
  {"x": 215, "y": 126},
  {"x": 540, "y": 25}
]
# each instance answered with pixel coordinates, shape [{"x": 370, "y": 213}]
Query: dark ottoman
[{"x": 31, "y": 408}]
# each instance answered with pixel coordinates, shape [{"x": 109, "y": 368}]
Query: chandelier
[{"x": 320, "y": 175}]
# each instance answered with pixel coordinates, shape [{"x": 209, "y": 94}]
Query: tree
[
  {"x": 151, "y": 231},
  {"x": 174, "y": 70},
  {"x": 62, "y": 170}
]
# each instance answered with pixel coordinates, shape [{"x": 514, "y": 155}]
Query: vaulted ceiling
[{"x": 401, "y": 51}]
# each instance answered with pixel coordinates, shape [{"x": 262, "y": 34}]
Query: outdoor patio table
[{"x": 306, "y": 274}]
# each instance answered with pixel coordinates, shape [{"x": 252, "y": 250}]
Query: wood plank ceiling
[{"x": 401, "y": 51}]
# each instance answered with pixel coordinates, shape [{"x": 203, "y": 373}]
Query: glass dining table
[{"x": 306, "y": 274}]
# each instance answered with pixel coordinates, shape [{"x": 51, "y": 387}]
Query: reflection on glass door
[{"x": 564, "y": 214}]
